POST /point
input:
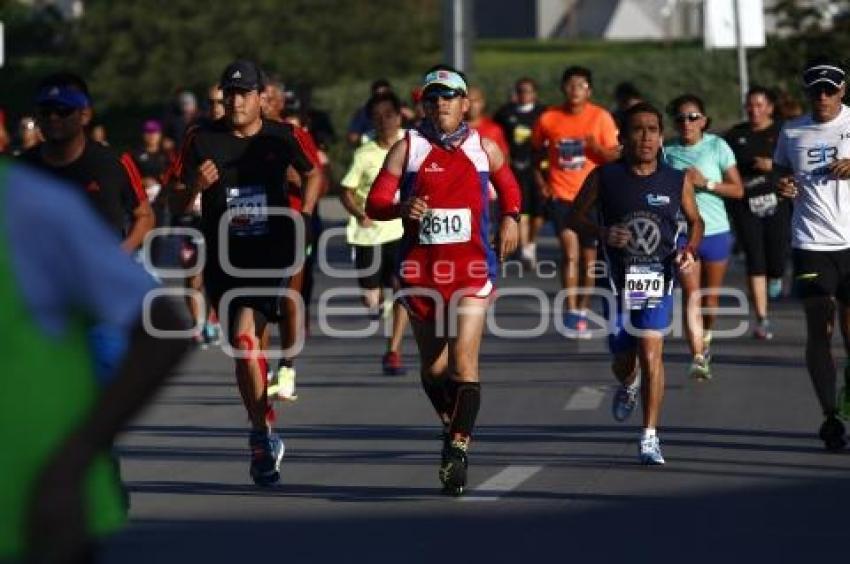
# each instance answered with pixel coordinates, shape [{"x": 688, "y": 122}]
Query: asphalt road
[{"x": 553, "y": 477}]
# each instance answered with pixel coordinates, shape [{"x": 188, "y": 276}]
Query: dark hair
[
  {"x": 381, "y": 98},
  {"x": 768, "y": 93},
  {"x": 525, "y": 80},
  {"x": 641, "y": 108},
  {"x": 380, "y": 83},
  {"x": 65, "y": 80},
  {"x": 574, "y": 70},
  {"x": 679, "y": 101},
  {"x": 445, "y": 67},
  {"x": 626, "y": 91}
]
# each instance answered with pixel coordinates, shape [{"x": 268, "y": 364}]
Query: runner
[
  {"x": 639, "y": 200},
  {"x": 443, "y": 169},
  {"x": 59, "y": 495},
  {"x": 376, "y": 243},
  {"x": 517, "y": 120},
  {"x": 480, "y": 121},
  {"x": 812, "y": 160},
  {"x": 580, "y": 136},
  {"x": 112, "y": 183},
  {"x": 291, "y": 325},
  {"x": 711, "y": 164},
  {"x": 239, "y": 165},
  {"x": 762, "y": 220}
]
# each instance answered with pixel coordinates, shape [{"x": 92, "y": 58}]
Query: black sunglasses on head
[
  {"x": 687, "y": 116},
  {"x": 58, "y": 110}
]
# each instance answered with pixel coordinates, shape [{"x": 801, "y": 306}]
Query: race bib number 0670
[{"x": 440, "y": 226}]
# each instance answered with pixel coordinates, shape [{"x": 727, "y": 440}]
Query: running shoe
[
  {"x": 453, "y": 468},
  {"x": 706, "y": 340},
  {"x": 392, "y": 364},
  {"x": 762, "y": 331},
  {"x": 650, "y": 451},
  {"x": 774, "y": 288},
  {"x": 282, "y": 384},
  {"x": 576, "y": 326},
  {"x": 266, "y": 453},
  {"x": 832, "y": 434},
  {"x": 700, "y": 368},
  {"x": 527, "y": 255},
  {"x": 625, "y": 401},
  {"x": 582, "y": 328},
  {"x": 211, "y": 334}
]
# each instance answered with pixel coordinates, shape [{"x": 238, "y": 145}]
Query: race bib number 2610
[{"x": 440, "y": 226}]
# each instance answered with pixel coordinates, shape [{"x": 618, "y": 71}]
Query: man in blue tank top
[{"x": 637, "y": 200}]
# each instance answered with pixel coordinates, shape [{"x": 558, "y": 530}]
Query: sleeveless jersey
[
  {"x": 649, "y": 206},
  {"x": 449, "y": 249}
]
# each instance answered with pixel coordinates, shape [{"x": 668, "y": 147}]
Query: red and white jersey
[{"x": 449, "y": 248}]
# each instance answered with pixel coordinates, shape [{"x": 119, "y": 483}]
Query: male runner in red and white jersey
[{"x": 446, "y": 265}]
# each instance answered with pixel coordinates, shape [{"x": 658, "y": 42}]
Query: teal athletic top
[{"x": 712, "y": 156}]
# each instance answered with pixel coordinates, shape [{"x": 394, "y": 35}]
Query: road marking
[
  {"x": 586, "y": 398},
  {"x": 505, "y": 481}
]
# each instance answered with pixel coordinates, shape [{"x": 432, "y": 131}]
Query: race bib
[
  {"x": 247, "y": 211},
  {"x": 644, "y": 286},
  {"x": 441, "y": 226},
  {"x": 763, "y": 205},
  {"x": 522, "y": 133},
  {"x": 571, "y": 154}
]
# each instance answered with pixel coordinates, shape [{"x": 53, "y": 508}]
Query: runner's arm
[
  {"x": 133, "y": 193},
  {"x": 381, "y": 204},
  {"x": 696, "y": 226},
  {"x": 584, "y": 204},
  {"x": 509, "y": 198}
]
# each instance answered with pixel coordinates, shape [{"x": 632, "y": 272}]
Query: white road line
[
  {"x": 505, "y": 481},
  {"x": 586, "y": 398}
]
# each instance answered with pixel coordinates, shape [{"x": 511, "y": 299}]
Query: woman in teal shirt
[{"x": 710, "y": 162}]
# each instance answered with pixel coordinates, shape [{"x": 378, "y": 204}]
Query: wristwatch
[{"x": 710, "y": 185}]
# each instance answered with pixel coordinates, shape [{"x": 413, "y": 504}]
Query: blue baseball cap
[{"x": 62, "y": 96}]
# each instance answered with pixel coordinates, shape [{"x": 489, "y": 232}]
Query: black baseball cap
[
  {"x": 242, "y": 75},
  {"x": 823, "y": 72}
]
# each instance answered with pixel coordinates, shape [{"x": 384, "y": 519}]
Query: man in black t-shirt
[
  {"x": 517, "y": 122},
  {"x": 238, "y": 164},
  {"x": 111, "y": 183},
  {"x": 762, "y": 220}
]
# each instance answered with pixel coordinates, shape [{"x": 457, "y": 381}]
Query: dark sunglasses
[
  {"x": 216, "y": 101},
  {"x": 432, "y": 97},
  {"x": 689, "y": 116},
  {"x": 60, "y": 111},
  {"x": 818, "y": 89}
]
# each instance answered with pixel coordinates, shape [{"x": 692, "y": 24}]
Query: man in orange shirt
[{"x": 575, "y": 137}]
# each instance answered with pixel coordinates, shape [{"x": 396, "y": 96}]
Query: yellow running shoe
[{"x": 282, "y": 384}]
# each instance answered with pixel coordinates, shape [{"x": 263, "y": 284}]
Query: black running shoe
[
  {"x": 266, "y": 453},
  {"x": 832, "y": 434},
  {"x": 453, "y": 469}
]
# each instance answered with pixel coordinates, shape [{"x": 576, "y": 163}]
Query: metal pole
[{"x": 743, "y": 74}]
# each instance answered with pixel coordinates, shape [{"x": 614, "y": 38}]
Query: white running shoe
[
  {"x": 282, "y": 384},
  {"x": 650, "y": 451}
]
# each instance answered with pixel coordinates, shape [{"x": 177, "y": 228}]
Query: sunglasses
[
  {"x": 432, "y": 97},
  {"x": 60, "y": 111},
  {"x": 216, "y": 101},
  {"x": 818, "y": 89},
  {"x": 689, "y": 116}
]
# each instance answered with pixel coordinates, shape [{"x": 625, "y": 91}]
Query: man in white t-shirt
[{"x": 812, "y": 161}]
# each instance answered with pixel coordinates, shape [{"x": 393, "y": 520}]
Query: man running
[
  {"x": 447, "y": 266},
  {"x": 112, "y": 183},
  {"x": 639, "y": 199},
  {"x": 580, "y": 136},
  {"x": 376, "y": 243},
  {"x": 812, "y": 161},
  {"x": 238, "y": 165},
  {"x": 517, "y": 120}
]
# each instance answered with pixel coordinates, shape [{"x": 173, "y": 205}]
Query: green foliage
[{"x": 135, "y": 52}]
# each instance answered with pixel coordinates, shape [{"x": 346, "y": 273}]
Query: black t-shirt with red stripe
[
  {"x": 111, "y": 182},
  {"x": 252, "y": 170}
]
